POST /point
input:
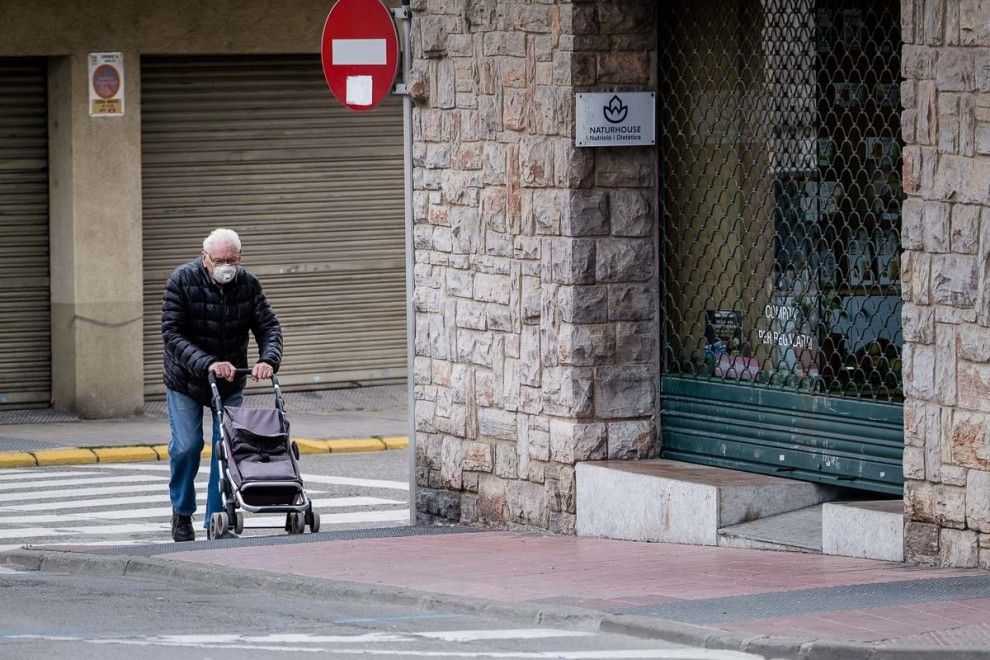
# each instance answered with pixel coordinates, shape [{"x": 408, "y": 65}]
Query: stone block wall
[
  {"x": 536, "y": 272},
  {"x": 946, "y": 280}
]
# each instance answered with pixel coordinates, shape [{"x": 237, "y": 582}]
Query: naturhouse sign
[{"x": 615, "y": 119}]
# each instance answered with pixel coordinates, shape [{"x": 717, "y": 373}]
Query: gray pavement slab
[
  {"x": 800, "y": 529},
  {"x": 809, "y": 601}
]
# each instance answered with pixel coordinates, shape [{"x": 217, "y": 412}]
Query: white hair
[{"x": 222, "y": 236}]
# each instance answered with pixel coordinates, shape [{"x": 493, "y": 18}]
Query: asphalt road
[{"x": 44, "y": 615}]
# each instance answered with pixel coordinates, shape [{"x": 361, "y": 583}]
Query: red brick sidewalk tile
[{"x": 520, "y": 566}]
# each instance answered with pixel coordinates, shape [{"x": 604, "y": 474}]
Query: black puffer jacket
[{"x": 203, "y": 323}]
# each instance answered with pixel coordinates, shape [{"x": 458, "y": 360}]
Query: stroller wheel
[
  {"x": 314, "y": 521},
  {"x": 297, "y": 523},
  {"x": 238, "y": 522},
  {"x": 219, "y": 524}
]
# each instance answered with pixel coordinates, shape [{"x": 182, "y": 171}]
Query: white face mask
[{"x": 224, "y": 273}]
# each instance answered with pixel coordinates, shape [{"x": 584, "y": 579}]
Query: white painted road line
[
  {"x": 351, "y": 481},
  {"x": 341, "y": 645},
  {"x": 143, "y": 467},
  {"x": 282, "y": 638},
  {"x": 307, "y": 478},
  {"x": 365, "y": 638},
  {"x": 92, "y": 504},
  {"x": 119, "y": 504},
  {"x": 166, "y": 512},
  {"x": 105, "y": 502},
  {"x": 397, "y": 515},
  {"x": 82, "y": 492},
  {"x": 55, "y": 532},
  {"x": 5, "y": 476},
  {"x": 51, "y": 483},
  {"x": 616, "y": 654},
  {"x": 511, "y": 633}
]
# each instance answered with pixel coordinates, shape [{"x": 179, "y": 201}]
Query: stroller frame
[{"x": 299, "y": 514}]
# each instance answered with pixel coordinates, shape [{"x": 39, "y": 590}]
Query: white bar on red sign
[
  {"x": 361, "y": 52},
  {"x": 359, "y": 90}
]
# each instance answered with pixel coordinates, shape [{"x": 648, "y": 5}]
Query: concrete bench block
[
  {"x": 674, "y": 502},
  {"x": 871, "y": 530}
]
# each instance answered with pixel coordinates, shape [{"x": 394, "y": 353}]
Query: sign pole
[{"x": 404, "y": 15}]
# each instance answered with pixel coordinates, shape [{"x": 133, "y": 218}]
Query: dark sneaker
[{"x": 182, "y": 528}]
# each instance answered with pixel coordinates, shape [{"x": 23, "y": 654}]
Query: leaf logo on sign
[{"x": 615, "y": 112}]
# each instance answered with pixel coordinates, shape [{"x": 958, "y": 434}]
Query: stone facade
[
  {"x": 536, "y": 272},
  {"x": 946, "y": 280}
]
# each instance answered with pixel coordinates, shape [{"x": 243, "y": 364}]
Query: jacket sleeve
[
  {"x": 174, "y": 313},
  {"x": 267, "y": 330}
]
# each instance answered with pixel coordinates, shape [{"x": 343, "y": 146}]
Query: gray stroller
[{"x": 259, "y": 466}]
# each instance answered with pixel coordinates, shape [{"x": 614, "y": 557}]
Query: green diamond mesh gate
[{"x": 780, "y": 200}]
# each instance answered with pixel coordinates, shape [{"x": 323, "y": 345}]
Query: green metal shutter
[
  {"x": 257, "y": 144},
  {"x": 25, "y": 325},
  {"x": 780, "y": 203}
]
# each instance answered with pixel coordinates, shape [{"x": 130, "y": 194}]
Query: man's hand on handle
[
  {"x": 261, "y": 371},
  {"x": 225, "y": 370}
]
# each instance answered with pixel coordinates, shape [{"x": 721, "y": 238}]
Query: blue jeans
[{"x": 185, "y": 418}]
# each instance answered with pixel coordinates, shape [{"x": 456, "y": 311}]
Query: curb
[
  {"x": 240, "y": 579},
  {"x": 133, "y": 453}
]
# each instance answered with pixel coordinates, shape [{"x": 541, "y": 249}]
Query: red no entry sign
[{"x": 360, "y": 52}]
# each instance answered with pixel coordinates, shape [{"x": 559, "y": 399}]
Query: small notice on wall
[
  {"x": 620, "y": 119},
  {"x": 106, "y": 84}
]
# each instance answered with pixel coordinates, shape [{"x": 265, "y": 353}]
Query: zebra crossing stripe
[
  {"x": 30, "y": 533},
  {"x": 50, "y": 483},
  {"x": 352, "y": 481},
  {"x": 515, "y": 633},
  {"x": 373, "y": 637},
  {"x": 395, "y": 515},
  {"x": 604, "y": 654},
  {"x": 55, "y": 532},
  {"x": 283, "y": 638},
  {"x": 6, "y": 476},
  {"x": 143, "y": 467},
  {"x": 81, "y": 492},
  {"x": 112, "y": 501},
  {"x": 105, "y": 504},
  {"x": 87, "y": 504},
  {"x": 307, "y": 478},
  {"x": 164, "y": 512}
]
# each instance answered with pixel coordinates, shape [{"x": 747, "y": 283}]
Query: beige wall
[
  {"x": 95, "y": 221},
  {"x": 536, "y": 280},
  {"x": 95, "y": 165},
  {"x": 946, "y": 282},
  {"x": 59, "y": 27}
]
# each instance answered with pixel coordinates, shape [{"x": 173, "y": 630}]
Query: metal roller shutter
[
  {"x": 258, "y": 145},
  {"x": 780, "y": 135},
  {"x": 25, "y": 325}
]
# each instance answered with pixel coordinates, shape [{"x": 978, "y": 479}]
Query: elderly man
[{"x": 210, "y": 305}]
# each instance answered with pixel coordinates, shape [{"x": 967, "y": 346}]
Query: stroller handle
[
  {"x": 238, "y": 373},
  {"x": 243, "y": 371}
]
